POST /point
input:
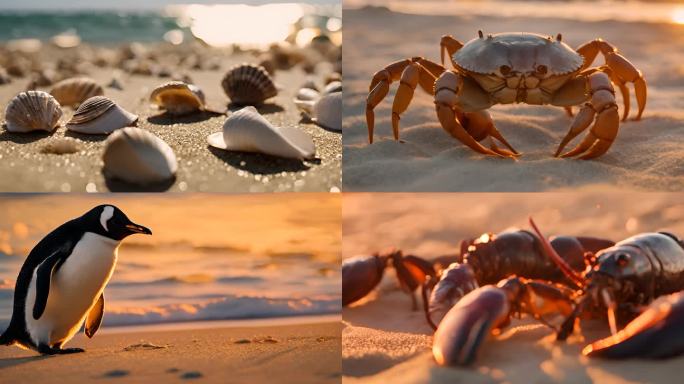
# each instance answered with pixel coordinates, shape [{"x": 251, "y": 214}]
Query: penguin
[{"x": 61, "y": 284}]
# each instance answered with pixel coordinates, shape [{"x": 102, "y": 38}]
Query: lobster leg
[
  {"x": 656, "y": 333},
  {"x": 412, "y": 272}
]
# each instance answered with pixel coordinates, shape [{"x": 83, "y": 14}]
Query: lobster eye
[
  {"x": 622, "y": 259},
  {"x": 541, "y": 69},
  {"x": 505, "y": 70}
]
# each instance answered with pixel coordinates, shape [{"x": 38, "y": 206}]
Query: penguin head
[{"x": 109, "y": 221}]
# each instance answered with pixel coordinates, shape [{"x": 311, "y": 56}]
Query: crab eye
[
  {"x": 505, "y": 69},
  {"x": 541, "y": 69}
]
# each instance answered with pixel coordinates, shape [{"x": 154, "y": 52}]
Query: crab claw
[
  {"x": 462, "y": 331},
  {"x": 656, "y": 333},
  {"x": 360, "y": 275}
]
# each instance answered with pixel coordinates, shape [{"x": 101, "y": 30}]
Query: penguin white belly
[{"x": 74, "y": 289}]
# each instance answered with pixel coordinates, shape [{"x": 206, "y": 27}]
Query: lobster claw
[
  {"x": 456, "y": 281},
  {"x": 656, "y": 333},
  {"x": 467, "y": 325},
  {"x": 360, "y": 275}
]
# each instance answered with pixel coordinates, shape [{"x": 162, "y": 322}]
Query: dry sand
[
  {"x": 647, "y": 155},
  {"x": 303, "y": 353},
  {"x": 23, "y": 168},
  {"x": 384, "y": 341}
]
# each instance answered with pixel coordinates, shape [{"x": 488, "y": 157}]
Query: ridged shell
[
  {"x": 325, "y": 111},
  {"x": 521, "y": 51},
  {"x": 178, "y": 98},
  {"x": 248, "y": 84},
  {"x": 100, "y": 115},
  {"x": 138, "y": 157},
  {"x": 247, "y": 131},
  {"x": 72, "y": 92},
  {"x": 32, "y": 111}
]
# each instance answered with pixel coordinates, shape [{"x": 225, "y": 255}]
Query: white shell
[
  {"x": 307, "y": 94},
  {"x": 100, "y": 115},
  {"x": 332, "y": 87},
  {"x": 139, "y": 157},
  {"x": 32, "y": 111},
  {"x": 247, "y": 131},
  {"x": 326, "y": 111},
  {"x": 519, "y": 50},
  {"x": 178, "y": 98},
  {"x": 72, "y": 92}
]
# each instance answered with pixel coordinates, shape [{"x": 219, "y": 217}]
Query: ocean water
[
  {"x": 215, "y": 24},
  {"x": 211, "y": 257}
]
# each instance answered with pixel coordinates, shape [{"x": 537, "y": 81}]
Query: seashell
[
  {"x": 178, "y": 98},
  {"x": 310, "y": 83},
  {"x": 334, "y": 76},
  {"x": 326, "y": 111},
  {"x": 139, "y": 157},
  {"x": 32, "y": 111},
  {"x": 248, "y": 84},
  {"x": 61, "y": 146},
  {"x": 247, "y": 131},
  {"x": 307, "y": 94},
  {"x": 100, "y": 115},
  {"x": 72, "y": 92},
  {"x": 332, "y": 87}
]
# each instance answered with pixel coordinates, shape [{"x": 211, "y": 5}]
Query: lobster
[{"x": 620, "y": 278}]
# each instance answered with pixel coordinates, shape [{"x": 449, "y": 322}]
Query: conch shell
[
  {"x": 247, "y": 131},
  {"x": 326, "y": 111},
  {"x": 32, "y": 111},
  {"x": 100, "y": 115}
]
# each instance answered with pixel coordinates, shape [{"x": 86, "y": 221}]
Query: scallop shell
[
  {"x": 100, "y": 115},
  {"x": 138, "y": 157},
  {"x": 248, "y": 84},
  {"x": 72, "y": 92},
  {"x": 178, "y": 98},
  {"x": 32, "y": 111},
  {"x": 247, "y": 131},
  {"x": 326, "y": 111}
]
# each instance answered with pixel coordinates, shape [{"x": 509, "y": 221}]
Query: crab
[{"x": 517, "y": 67}]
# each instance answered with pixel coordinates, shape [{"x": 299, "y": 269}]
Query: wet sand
[
  {"x": 647, "y": 155},
  {"x": 23, "y": 168},
  {"x": 303, "y": 353}
]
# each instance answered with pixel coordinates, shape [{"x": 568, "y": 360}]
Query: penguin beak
[{"x": 135, "y": 228}]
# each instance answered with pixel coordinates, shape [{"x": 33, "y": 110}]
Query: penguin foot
[{"x": 48, "y": 350}]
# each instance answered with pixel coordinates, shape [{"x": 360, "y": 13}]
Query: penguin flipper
[
  {"x": 94, "y": 318},
  {"x": 43, "y": 278}
]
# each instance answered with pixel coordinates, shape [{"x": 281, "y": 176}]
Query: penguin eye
[
  {"x": 622, "y": 260},
  {"x": 541, "y": 69},
  {"x": 505, "y": 70}
]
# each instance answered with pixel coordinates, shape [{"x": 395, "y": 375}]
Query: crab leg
[
  {"x": 449, "y": 45},
  {"x": 411, "y": 72},
  {"x": 605, "y": 128},
  {"x": 447, "y": 88},
  {"x": 623, "y": 69}
]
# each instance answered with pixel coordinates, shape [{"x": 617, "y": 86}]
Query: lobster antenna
[
  {"x": 555, "y": 257},
  {"x": 426, "y": 301}
]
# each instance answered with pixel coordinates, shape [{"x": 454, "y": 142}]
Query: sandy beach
[
  {"x": 646, "y": 155},
  {"x": 384, "y": 341},
  {"x": 201, "y": 168},
  {"x": 244, "y": 354}
]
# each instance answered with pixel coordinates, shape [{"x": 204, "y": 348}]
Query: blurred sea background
[
  {"x": 653, "y": 11},
  {"x": 211, "y": 256}
]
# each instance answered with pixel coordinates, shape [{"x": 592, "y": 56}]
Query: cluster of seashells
[{"x": 138, "y": 156}]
